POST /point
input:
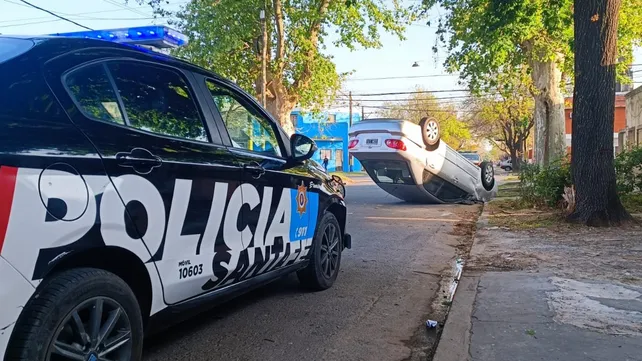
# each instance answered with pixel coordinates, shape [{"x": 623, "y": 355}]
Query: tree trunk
[
  {"x": 597, "y": 201},
  {"x": 550, "y": 138},
  {"x": 515, "y": 159},
  {"x": 280, "y": 109}
]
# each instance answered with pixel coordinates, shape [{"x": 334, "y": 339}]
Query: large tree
[
  {"x": 596, "y": 199},
  {"x": 453, "y": 130},
  {"x": 483, "y": 36},
  {"x": 504, "y": 115},
  {"x": 225, "y": 36}
]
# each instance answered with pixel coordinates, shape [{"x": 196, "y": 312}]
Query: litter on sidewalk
[{"x": 431, "y": 324}]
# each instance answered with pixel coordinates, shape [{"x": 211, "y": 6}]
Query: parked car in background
[
  {"x": 506, "y": 164},
  {"x": 473, "y": 157},
  {"x": 412, "y": 163}
]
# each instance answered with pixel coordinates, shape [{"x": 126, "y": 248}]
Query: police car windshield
[{"x": 11, "y": 47}]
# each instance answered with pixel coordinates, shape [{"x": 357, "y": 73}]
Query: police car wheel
[
  {"x": 325, "y": 258},
  {"x": 80, "y": 314}
]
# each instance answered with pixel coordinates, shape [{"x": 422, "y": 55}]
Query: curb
[{"x": 454, "y": 343}]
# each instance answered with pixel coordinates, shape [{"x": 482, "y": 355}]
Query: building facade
[
  {"x": 631, "y": 136},
  {"x": 330, "y": 132},
  {"x": 619, "y": 120}
]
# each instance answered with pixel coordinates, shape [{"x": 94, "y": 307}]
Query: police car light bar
[{"x": 156, "y": 36}]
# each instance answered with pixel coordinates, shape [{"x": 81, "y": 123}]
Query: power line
[
  {"x": 462, "y": 97},
  {"x": 80, "y": 15},
  {"x": 419, "y": 110},
  {"x": 413, "y": 92},
  {"x": 55, "y": 20},
  {"x": 54, "y": 14},
  {"x": 125, "y": 7},
  {"x": 402, "y": 77}
]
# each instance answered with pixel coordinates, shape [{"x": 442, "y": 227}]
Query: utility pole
[
  {"x": 263, "y": 56},
  {"x": 350, "y": 123},
  {"x": 363, "y": 113}
]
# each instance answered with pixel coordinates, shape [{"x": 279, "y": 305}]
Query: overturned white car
[{"x": 411, "y": 162}]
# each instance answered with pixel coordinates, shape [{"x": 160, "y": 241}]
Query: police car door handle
[
  {"x": 141, "y": 160},
  {"x": 255, "y": 169}
]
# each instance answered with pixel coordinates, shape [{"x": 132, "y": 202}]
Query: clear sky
[{"x": 394, "y": 59}]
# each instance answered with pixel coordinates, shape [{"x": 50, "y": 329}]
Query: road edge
[{"x": 454, "y": 343}]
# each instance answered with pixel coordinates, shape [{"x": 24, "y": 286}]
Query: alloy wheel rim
[
  {"x": 489, "y": 173},
  {"x": 96, "y": 330},
  {"x": 432, "y": 130},
  {"x": 329, "y": 251}
]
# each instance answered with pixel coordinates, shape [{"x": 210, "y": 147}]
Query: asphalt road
[{"x": 375, "y": 311}]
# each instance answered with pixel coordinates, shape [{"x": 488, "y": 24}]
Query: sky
[{"x": 394, "y": 59}]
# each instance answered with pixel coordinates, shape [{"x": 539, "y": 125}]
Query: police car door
[
  {"x": 280, "y": 212},
  {"x": 161, "y": 151}
]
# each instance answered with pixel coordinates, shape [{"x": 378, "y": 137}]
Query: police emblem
[{"x": 301, "y": 199}]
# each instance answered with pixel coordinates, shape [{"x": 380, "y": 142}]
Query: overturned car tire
[
  {"x": 487, "y": 175},
  {"x": 430, "y": 132}
]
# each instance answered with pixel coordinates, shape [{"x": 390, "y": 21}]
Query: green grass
[{"x": 508, "y": 190}]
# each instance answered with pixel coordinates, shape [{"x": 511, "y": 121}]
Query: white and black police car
[{"x": 136, "y": 190}]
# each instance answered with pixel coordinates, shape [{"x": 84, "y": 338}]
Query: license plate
[{"x": 372, "y": 141}]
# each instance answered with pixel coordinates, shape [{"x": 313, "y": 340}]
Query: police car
[{"x": 137, "y": 189}]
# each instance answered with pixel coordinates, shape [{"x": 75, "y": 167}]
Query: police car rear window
[{"x": 10, "y": 48}]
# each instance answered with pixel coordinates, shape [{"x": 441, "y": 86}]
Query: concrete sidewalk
[{"x": 541, "y": 315}]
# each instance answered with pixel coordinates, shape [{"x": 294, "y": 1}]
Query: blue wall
[{"x": 331, "y": 138}]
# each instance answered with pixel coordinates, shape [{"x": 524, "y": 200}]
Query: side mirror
[{"x": 302, "y": 147}]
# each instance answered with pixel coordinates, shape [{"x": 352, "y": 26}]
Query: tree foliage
[
  {"x": 505, "y": 116},
  {"x": 482, "y": 36},
  {"x": 225, "y": 37},
  {"x": 453, "y": 130}
]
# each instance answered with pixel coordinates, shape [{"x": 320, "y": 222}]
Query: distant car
[
  {"x": 506, "y": 164},
  {"x": 473, "y": 157},
  {"x": 410, "y": 162}
]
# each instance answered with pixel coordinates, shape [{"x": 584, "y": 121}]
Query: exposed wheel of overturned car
[
  {"x": 487, "y": 175},
  {"x": 430, "y": 132}
]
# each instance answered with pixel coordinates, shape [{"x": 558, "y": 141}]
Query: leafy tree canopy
[
  {"x": 482, "y": 36},
  {"x": 505, "y": 116},
  {"x": 225, "y": 37},
  {"x": 453, "y": 130}
]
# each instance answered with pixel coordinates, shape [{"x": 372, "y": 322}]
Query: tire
[
  {"x": 430, "y": 133},
  {"x": 508, "y": 169},
  {"x": 315, "y": 275},
  {"x": 74, "y": 295},
  {"x": 487, "y": 175}
]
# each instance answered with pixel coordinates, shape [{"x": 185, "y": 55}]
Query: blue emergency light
[{"x": 155, "y": 35}]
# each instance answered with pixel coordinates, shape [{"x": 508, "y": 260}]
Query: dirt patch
[
  {"x": 504, "y": 261},
  {"x": 568, "y": 250}
]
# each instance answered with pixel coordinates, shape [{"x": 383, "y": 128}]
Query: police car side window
[
  {"x": 93, "y": 93},
  {"x": 247, "y": 129},
  {"x": 157, "y": 100}
]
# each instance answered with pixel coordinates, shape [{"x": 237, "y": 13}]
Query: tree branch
[
  {"x": 280, "y": 33},
  {"x": 306, "y": 75}
]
